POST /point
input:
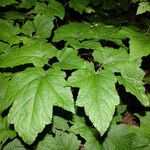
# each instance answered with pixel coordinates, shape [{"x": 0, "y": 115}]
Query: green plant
[{"x": 60, "y": 76}]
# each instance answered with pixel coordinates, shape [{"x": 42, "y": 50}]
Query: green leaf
[
  {"x": 4, "y": 47},
  {"x": 43, "y": 26},
  {"x": 89, "y": 44},
  {"x": 139, "y": 43},
  {"x": 107, "y": 32},
  {"x": 4, "y": 80},
  {"x": 102, "y": 31},
  {"x": 28, "y": 28},
  {"x": 79, "y": 127},
  {"x": 68, "y": 59},
  {"x": 8, "y": 32},
  {"x": 132, "y": 77},
  {"x": 60, "y": 123},
  {"x": 36, "y": 53},
  {"x": 35, "y": 92},
  {"x": 121, "y": 109},
  {"x": 143, "y": 7},
  {"x": 125, "y": 137},
  {"x": 145, "y": 125},
  {"x": 77, "y": 31},
  {"x": 14, "y": 145},
  {"x": 4, "y": 3},
  {"x": 3, "y": 89},
  {"x": 54, "y": 9},
  {"x": 142, "y": 140},
  {"x": 79, "y": 5},
  {"x": 62, "y": 141},
  {"x": 73, "y": 30},
  {"x": 5, "y": 132},
  {"x": 120, "y": 137},
  {"x": 14, "y": 15},
  {"x": 97, "y": 95},
  {"x": 111, "y": 59},
  {"x": 27, "y": 4}
]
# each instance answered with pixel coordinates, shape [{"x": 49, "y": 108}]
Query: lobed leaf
[
  {"x": 79, "y": 6},
  {"x": 9, "y": 32},
  {"x": 132, "y": 77},
  {"x": 143, "y": 7},
  {"x": 52, "y": 10},
  {"x": 124, "y": 137},
  {"x": 73, "y": 30},
  {"x": 97, "y": 95},
  {"x": 89, "y": 44},
  {"x": 43, "y": 26},
  {"x": 79, "y": 127},
  {"x": 36, "y": 53},
  {"x": 28, "y": 28},
  {"x": 5, "y": 131},
  {"x": 27, "y": 4},
  {"x": 62, "y": 141},
  {"x": 68, "y": 59},
  {"x": 86, "y": 31},
  {"x": 14, "y": 145},
  {"x": 120, "y": 137},
  {"x": 60, "y": 123},
  {"x": 111, "y": 59},
  {"x": 34, "y": 93},
  {"x": 139, "y": 43}
]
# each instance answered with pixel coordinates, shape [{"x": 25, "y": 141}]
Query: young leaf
[
  {"x": 34, "y": 93},
  {"x": 132, "y": 77},
  {"x": 68, "y": 59},
  {"x": 112, "y": 59},
  {"x": 14, "y": 145},
  {"x": 143, "y": 7},
  {"x": 62, "y": 141},
  {"x": 79, "y": 127},
  {"x": 60, "y": 123},
  {"x": 43, "y": 26},
  {"x": 36, "y": 53},
  {"x": 97, "y": 95}
]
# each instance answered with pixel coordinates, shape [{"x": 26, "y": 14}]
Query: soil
[{"x": 129, "y": 119}]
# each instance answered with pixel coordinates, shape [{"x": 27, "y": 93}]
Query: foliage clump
[{"x": 74, "y": 74}]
